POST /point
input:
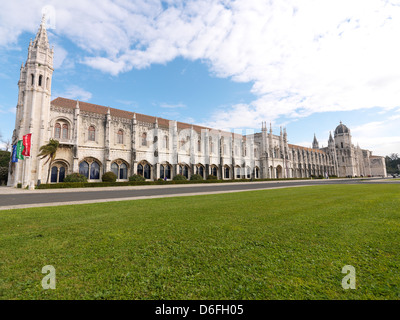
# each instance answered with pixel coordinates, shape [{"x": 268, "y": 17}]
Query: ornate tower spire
[
  {"x": 315, "y": 144},
  {"x": 41, "y": 39},
  {"x": 330, "y": 137}
]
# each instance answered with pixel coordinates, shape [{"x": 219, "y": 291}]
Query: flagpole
[
  {"x": 30, "y": 163},
  {"x": 23, "y": 174}
]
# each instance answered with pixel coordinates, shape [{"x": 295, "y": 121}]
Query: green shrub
[
  {"x": 211, "y": 177},
  {"x": 109, "y": 177},
  {"x": 4, "y": 158},
  {"x": 137, "y": 177},
  {"x": 3, "y": 175},
  {"x": 196, "y": 177},
  {"x": 75, "y": 177},
  {"x": 179, "y": 177}
]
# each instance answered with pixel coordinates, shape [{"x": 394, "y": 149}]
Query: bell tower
[
  {"x": 33, "y": 107},
  {"x": 345, "y": 151}
]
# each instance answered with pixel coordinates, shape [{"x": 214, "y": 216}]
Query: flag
[
  {"x": 14, "y": 153},
  {"x": 26, "y": 141},
  {"x": 20, "y": 148}
]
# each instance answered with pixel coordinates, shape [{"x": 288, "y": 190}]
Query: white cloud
[
  {"x": 172, "y": 106},
  {"x": 382, "y": 137},
  {"x": 60, "y": 55},
  {"x": 75, "y": 92},
  {"x": 301, "y": 56}
]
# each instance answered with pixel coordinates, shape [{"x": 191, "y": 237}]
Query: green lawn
[{"x": 273, "y": 244}]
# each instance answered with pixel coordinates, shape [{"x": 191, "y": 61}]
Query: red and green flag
[
  {"x": 20, "y": 148},
  {"x": 26, "y": 141}
]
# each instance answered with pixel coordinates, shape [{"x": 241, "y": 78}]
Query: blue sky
[{"x": 305, "y": 65}]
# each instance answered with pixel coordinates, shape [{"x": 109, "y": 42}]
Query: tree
[
  {"x": 394, "y": 156},
  {"x": 7, "y": 145},
  {"x": 392, "y": 163},
  {"x": 49, "y": 151}
]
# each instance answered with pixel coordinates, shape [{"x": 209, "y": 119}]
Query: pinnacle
[{"x": 41, "y": 36}]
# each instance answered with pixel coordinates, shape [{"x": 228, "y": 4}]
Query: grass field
[{"x": 273, "y": 244}]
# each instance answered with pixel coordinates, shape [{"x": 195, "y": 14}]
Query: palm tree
[{"x": 49, "y": 151}]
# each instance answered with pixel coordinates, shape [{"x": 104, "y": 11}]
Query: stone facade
[{"x": 96, "y": 139}]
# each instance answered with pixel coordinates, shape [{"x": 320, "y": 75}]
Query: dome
[{"x": 341, "y": 128}]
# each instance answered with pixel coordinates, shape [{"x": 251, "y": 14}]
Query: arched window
[
  {"x": 237, "y": 172},
  {"x": 140, "y": 170},
  {"x": 61, "y": 174},
  {"x": 162, "y": 172},
  {"x": 54, "y": 174},
  {"x": 47, "y": 83},
  {"x": 214, "y": 171},
  {"x": 211, "y": 143},
  {"x": 40, "y": 80},
  {"x": 92, "y": 134},
  {"x": 186, "y": 172},
  {"x": 32, "y": 79},
  {"x": 165, "y": 171},
  {"x": 114, "y": 168},
  {"x": 146, "y": 171},
  {"x": 168, "y": 172},
  {"x": 65, "y": 131},
  {"x": 84, "y": 169},
  {"x": 201, "y": 171},
  {"x": 144, "y": 139},
  {"x": 57, "y": 131},
  {"x": 90, "y": 169},
  {"x": 120, "y": 137},
  {"x": 199, "y": 145},
  {"x": 227, "y": 172},
  {"x": 57, "y": 173},
  {"x": 94, "y": 171},
  {"x": 123, "y": 171}
]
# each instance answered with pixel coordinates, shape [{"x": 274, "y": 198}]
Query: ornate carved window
[
  {"x": 144, "y": 170},
  {"x": 120, "y": 169},
  {"x": 165, "y": 171},
  {"x": 57, "y": 131},
  {"x": 92, "y": 133},
  {"x": 90, "y": 169},
  {"x": 58, "y": 171},
  {"x": 144, "y": 139},
  {"x": 65, "y": 131},
  {"x": 120, "y": 137}
]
